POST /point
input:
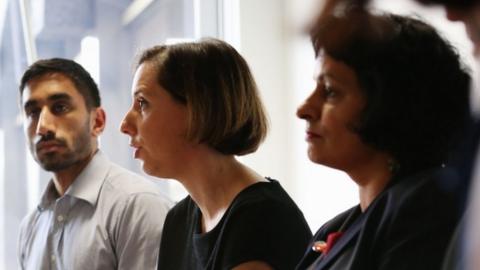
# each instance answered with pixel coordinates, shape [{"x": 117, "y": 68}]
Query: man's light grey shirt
[{"x": 109, "y": 218}]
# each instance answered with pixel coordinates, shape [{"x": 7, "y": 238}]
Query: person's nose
[
  {"x": 126, "y": 125},
  {"x": 46, "y": 123},
  {"x": 310, "y": 109}
]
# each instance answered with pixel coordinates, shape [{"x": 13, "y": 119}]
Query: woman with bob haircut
[
  {"x": 196, "y": 107},
  {"x": 391, "y": 98}
]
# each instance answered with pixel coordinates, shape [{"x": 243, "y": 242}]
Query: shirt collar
[
  {"x": 86, "y": 186},
  {"x": 89, "y": 182},
  {"x": 49, "y": 195}
]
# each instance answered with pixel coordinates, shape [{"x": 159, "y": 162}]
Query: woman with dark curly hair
[{"x": 390, "y": 101}]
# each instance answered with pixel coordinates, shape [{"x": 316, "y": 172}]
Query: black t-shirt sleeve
[{"x": 269, "y": 231}]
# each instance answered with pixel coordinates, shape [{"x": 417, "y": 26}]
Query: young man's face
[{"x": 58, "y": 125}]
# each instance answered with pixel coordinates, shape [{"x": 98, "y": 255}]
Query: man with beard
[{"x": 93, "y": 213}]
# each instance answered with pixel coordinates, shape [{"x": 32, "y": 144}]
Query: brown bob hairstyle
[{"x": 215, "y": 83}]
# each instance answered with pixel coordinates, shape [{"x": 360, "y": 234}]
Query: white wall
[
  {"x": 282, "y": 62},
  {"x": 262, "y": 43}
]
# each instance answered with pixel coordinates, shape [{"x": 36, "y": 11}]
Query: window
[{"x": 103, "y": 36}]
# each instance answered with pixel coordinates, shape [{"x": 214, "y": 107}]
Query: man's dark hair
[
  {"x": 72, "y": 70},
  {"x": 416, "y": 88}
]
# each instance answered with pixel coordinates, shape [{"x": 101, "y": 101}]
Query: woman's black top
[{"x": 262, "y": 224}]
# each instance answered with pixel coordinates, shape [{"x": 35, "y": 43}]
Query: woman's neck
[
  {"x": 213, "y": 181},
  {"x": 372, "y": 177}
]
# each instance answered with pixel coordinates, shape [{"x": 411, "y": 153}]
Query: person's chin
[
  {"x": 314, "y": 156},
  {"x": 145, "y": 167},
  {"x": 54, "y": 164},
  {"x": 148, "y": 169},
  {"x": 47, "y": 159}
]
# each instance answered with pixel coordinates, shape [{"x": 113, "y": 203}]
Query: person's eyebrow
[
  {"x": 59, "y": 96},
  {"x": 141, "y": 91},
  {"x": 329, "y": 76},
  {"x": 51, "y": 98},
  {"x": 137, "y": 92}
]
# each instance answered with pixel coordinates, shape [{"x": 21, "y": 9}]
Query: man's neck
[{"x": 64, "y": 179}]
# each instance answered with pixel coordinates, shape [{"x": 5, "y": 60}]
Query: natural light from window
[
  {"x": 33, "y": 182},
  {"x": 2, "y": 182},
  {"x": 89, "y": 56}
]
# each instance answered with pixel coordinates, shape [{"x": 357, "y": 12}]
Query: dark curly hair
[{"x": 416, "y": 87}]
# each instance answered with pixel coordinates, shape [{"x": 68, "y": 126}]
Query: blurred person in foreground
[
  {"x": 390, "y": 102},
  {"x": 465, "y": 249},
  {"x": 93, "y": 214},
  {"x": 195, "y": 108}
]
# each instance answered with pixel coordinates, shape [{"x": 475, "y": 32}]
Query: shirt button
[{"x": 60, "y": 218}]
